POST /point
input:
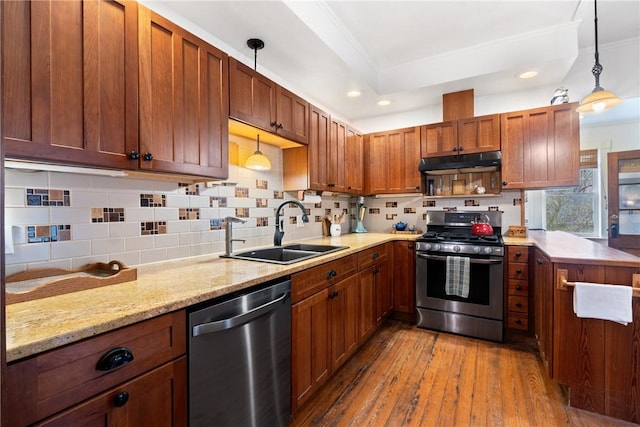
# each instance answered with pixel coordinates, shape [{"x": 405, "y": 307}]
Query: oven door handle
[{"x": 472, "y": 260}]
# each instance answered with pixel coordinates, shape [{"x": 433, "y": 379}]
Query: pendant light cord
[{"x": 597, "y": 68}]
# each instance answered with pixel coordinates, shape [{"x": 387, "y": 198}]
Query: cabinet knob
[
  {"x": 331, "y": 185},
  {"x": 539, "y": 261},
  {"x": 455, "y": 149},
  {"x": 376, "y": 271},
  {"x": 121, "y": 399},
  {"x": 461, "y": 149},
  {"x": 114, "y": 358},
  {"x": 410, "y": 246},
  {"x": 505, "y": 183},
  {"x": 518, "y": 271},
  {"x": 518, "y": 322},
  {"x": 331, "y": 274},
  {"x": 147, "y": 157},
  {"x": 518, "y": 254},
  {"x": 518, "y": 304},
  {"x": 375, "y": 255},
  {"x": 276, "y": 125},
  {"x": 518, "y": 288},
  {"x": 134, "y": 155}
]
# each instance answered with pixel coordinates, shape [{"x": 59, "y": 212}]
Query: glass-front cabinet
[{"x": 624, "y": 200}]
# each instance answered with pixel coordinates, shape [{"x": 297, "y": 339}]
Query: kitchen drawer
[
  {"x": 368, "y": 257},
  {"x": 519, "y": 304},
  {"x": 518, "y": 321},
  {"x": 50, "y": 382},
  {"x": 518, "y": 270},
  {"x": 518, "y": 287},
  {"x": 517, "y": 254},
  {"x": 315, "y": 279}
]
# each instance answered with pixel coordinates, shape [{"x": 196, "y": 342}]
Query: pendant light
[
  {"x": 258, "y": 161},
  {"x": 599, "y": 99}
]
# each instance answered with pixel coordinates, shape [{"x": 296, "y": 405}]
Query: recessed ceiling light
[
  {"x": 384, "y": 102},
  {"x": 528, "y": 74},
  {"x": 353, "y": 93}
]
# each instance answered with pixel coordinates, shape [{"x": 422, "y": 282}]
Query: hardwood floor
[{"x": 405, "y": 376}]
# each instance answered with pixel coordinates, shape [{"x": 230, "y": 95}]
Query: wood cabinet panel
[
  {"x": 71, "y": 81},
  {"x": 404, "y": 272},
  {"x": 184, "y": 103},
  {"x": 344, "y": 320},
  {"x": 540, "y": 147},
  {"x": 479, "y": 134},
  {"x": 312, "y": 280},
  {"x": 319, "y": 133},
  {"x": 156, "y": 398},
  {"x": 517, "y": 302},
  {"x": 56, "y": 380},
  {"x": 354, "y": 162},
  {"x": 292, "y": 115},
  {"x": 392, "y": 158},
  {"x": 252, "y": 97},
  {"x": 439, "y": 139},
  {"x": 310, "y": 352},
  {"x": 336, "y": 176},
  {"x": 543, "y": 289}
]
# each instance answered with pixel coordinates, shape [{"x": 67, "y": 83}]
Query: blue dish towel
[{"x": 457, "y": 281}]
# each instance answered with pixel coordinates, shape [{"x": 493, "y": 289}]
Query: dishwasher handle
[{"x": 239, "y": 320}]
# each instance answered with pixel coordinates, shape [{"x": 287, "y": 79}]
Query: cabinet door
[
  {"x": 354, "y": 153},
  {"x": 70, "y": 81},
  {"x": 345, "y": 299},
  {"x": 376, "y": 154},
  {"x": 479, "y": 134},
  {"x": 439, "y": 139},
  {"x": 367, "y": 323},
  {"x": 310, "y": 353},
  {"x": 292, "y": 115},
  {"x": 411, "y": 149},
  {"x": 184, "y": 105},
  {"x": 319, "y": 124},
  {"x": 543, "y": 306},
  {"x": 336, "y": 177},
  {"x": 383, "y": 290},
  {"x": 404, "y": 263},
  {"x": 252, "y": 96},
  {"x": 540, "y": 147},
  {"x": 624, "y": 200},
  {"x": 157, "y": 398}
]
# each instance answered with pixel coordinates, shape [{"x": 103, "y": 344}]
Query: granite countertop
[
  {"x": 36, "y": 326},
  {"x": 565, "y": 247}
]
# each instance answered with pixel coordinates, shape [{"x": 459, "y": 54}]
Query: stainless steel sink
[{"x": 288, "y": 254}]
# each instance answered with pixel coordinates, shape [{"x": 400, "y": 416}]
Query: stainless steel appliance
[
  {"x": 240, "y": 360},
  {"x": 448, "y": 234}
]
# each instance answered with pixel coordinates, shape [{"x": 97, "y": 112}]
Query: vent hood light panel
[{"x": 246, "y": 131}]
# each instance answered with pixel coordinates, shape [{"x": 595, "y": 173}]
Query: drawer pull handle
[
  {"x": 375, "y": 255},
  {"x": 518, "y": 254},
  {"x": 114, "y": 358},
  {"x": 331, "y": 274},
  {"x": 518, "y": 288},
  {"x": 518, "y": 271},
  {"x": 518, "y": 322},
  {"x": 518, "y": 305},
  {"x": 121, "y": 399}
]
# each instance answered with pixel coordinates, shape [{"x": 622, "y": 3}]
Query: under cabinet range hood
[{"x": 461, "y": 163}]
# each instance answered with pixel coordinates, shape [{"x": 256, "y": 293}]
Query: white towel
[
  {"x": 457, "y": 281},
  {"x": 607, "y": 302}
]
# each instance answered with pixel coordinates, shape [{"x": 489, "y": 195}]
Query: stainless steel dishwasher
[{"x": 240, "y": 359}]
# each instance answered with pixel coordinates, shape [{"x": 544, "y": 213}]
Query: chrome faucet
[
  {"x": 228, "y": 240},
  {"x": 277, "y": 237}
]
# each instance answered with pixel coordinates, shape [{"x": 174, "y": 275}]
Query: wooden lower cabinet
[
  {"x": 72, "y": 383},
  {"x": 543, "y": 308},
  {"x": 157, "y": 398},
  {"x": 404, "y": 273},
  {"x": 376, "y": 298}
]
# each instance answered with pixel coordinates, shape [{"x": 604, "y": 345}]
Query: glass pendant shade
[
  {"x": 258, "y": 161},
  {"x": 599, "y": 99}
]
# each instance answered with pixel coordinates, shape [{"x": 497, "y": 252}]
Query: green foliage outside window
[{"x": 572, "y": 209}]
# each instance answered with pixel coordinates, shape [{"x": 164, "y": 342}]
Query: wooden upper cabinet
[
  {"x": 256, "y": 100},
  {"x": 439, "y": 139},
  {"x": 336, "y": 177},
  {"x": 354, "y": 162},
  {"x": 252, "y": 96},
  {"x": 292, "y": 116},
  {"x": 184, "y": 100},
  {"x": 541, "y": 147},
  {"x": 70, "y": 83},
  {"x": 479, "y": 134},
  {"x": 319, "y": 133},
  {"x": 392, "y": 159}
]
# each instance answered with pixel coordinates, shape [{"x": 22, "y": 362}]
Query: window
[{"x": 576, "y": 209}]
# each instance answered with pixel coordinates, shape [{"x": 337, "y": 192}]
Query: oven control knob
[
  {"x": 456, "y": 248},
  {"x": 437, "y": 247},
  {"x": 488, "y": 250},
  {"x": 427, "y": 246},
  {"x": 476, "y": 249}
]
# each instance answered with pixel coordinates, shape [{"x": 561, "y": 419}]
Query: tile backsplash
[{"x": 68, "y": 220}]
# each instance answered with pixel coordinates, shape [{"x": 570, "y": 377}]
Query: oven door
[{"x": 485, "y": 286}]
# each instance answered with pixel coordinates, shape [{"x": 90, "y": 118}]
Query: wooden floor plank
[{"x": 406, "y": 376}]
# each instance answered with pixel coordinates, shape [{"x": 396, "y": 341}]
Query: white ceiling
[{"x": 411, "y": 52}]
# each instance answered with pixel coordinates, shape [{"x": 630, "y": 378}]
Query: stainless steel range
[{"x": 446, "y": 255}]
